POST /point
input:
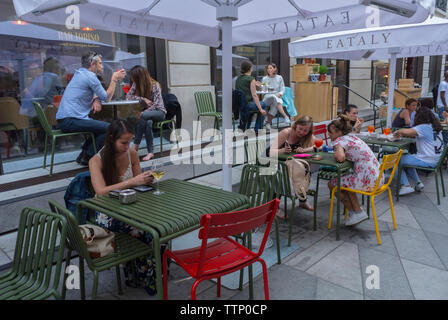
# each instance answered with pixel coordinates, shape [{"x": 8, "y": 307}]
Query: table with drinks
[
  {"x": 326, "y": 159},
  {"x": 373, "y": 138},
  {"x": 174, "y": 209}
]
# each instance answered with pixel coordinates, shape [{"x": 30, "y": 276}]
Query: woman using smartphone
[{"x": 116, "y": 166}]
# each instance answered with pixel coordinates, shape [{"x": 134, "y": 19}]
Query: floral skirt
[{"x": 143, "y": 266}]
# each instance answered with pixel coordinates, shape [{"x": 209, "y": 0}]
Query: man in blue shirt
[{"x": 83, "y": 94}]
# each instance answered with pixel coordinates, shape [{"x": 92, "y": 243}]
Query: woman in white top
[
  {"x": 427, "y": 131},
  {"x": 274, "y": 101},
  {"x": 116, "y": 166}
]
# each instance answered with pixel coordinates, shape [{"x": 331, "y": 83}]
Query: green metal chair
[
  {"x": 437, "y": 169},
  {"x": 159, "y": 125},
  {"x": 206, "y": 108},
  {"x": 49, "y": 132},
  {"x": 32, "y": 276},
  {"x": 254, "y": 151},
  {"x": 127, "y": 249}
]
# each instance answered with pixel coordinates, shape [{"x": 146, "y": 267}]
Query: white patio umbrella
[
  {"x": 411, "y": 40},
  {"x": 226, "y": 22}
]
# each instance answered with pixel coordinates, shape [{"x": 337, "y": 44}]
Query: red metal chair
[
  {"x": 224, "y": 255},
  {"x": 321, "y": 129}
]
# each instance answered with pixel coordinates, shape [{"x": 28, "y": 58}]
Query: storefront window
[{"x": 36, "y": 64}]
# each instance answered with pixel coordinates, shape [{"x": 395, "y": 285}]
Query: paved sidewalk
[{"x": 412, "y": 260}]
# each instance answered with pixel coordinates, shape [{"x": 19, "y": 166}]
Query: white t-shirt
[
  {"x": 443, "y": 86},
  {"x": 429, "y": 145}
]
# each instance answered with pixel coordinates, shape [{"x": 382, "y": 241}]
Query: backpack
[
  {"x": 78, "y": 189},
  {"x": 300, "y": 174}
]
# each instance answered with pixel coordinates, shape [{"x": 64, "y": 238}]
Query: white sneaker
[
  {"x": 419, "y": 187},
  {"x": 268, "y": 126},
  {"x": 406, "y": 190},
  {"x": 355, "y": 218}
]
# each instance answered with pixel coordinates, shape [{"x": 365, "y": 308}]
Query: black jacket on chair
[
  {"x": 239, "y": 108},
  {"x": 173, "y": 109}
]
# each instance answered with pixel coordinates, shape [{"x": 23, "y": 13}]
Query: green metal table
[
  {"x": 170, "y": 215},
  {"x": 403, "y": 143},
  {"x": 327, "y": 160}
]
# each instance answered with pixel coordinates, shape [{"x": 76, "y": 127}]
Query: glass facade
[{"x": 36, "y": 64}]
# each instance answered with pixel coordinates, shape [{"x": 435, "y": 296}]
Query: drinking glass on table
[
  {"x": 318, "y": 143},
  {"x": 157, "y": 173},
  {"x": 386, "y": 131},
  {"x": 371, "y": 129}
]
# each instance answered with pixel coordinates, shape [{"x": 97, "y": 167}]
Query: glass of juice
[
  {"x": 371, "y": 129},
  {"x": 386, "y": 131},
  {"x": 126, "y": 87},
  {"x": 318, "y": 143}
]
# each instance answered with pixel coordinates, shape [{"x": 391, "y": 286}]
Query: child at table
[
  {"x": 116, "y": 166},
  {"x": 365, "y": 167},
  {"x": 427, "y": 131}
]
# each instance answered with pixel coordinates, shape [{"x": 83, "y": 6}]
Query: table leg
[
  {"x": 115, "y": 112},
  {"x": 158, "y": 259}
]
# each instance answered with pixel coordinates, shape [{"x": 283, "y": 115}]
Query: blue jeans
[
  {"x": 411, "y": 160},
  {"x": 253, "y": 107},
  {"x": 144, "y": 125},
  {"x": 98, "y": 128}
]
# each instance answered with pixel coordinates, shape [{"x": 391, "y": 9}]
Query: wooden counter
[{"x": 314, "y": 99}]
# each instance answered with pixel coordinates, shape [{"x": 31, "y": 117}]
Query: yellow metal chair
[{"x": 389, "y": 162}]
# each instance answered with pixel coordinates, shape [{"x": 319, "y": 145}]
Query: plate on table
[{"x": 302, "y": 155}]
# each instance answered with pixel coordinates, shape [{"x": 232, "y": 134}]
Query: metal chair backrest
[
  {"x": 224, "y": 225},
  {"x": 259, "y": 188},
  {"x": 389, "y": 161},
  {"x": 254, "y": 149},
  {"x": 74, "y": 237},
  {"x": 204, "y": 101},
  {"x": 443, "y": 155},
  {"x": 35, "y": 252},
  {"x": 42, "y": 118},
  {"x": 321, "y": 129}
]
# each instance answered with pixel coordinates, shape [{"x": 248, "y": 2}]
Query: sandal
[
  {"x": 306, "y": 206},
  {"x": 149, "y": 156}
]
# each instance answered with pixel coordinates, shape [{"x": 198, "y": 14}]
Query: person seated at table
[
  {"x": 147, "y": 90},
  {"x": 298, "y": 138},
  {"x": 78, "y": 100},
  {"x": 427, "y": 131},
  {"x": 247, "y": 83},
  {"x": 365, "y": 167},
  {"x": 405, "y": 118},
  {"x": 117, "y": 166},
  {"x": 351, "y": 111},
  {"x": 274, "y": 101}
]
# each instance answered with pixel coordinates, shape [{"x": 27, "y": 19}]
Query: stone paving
[{"x": 412, "y": 260}]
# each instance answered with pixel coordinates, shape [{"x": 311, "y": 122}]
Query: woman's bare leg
[
  {"x": 281, "y": 110},
  {"x": 354, "y": 201}
]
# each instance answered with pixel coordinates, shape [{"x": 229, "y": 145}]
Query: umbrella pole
[
  {"x": 390, "y": 97},
  {"x": 227, "y": 14}
]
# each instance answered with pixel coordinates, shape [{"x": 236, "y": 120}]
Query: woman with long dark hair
[
  {"x": 351, "y": 111},
  {"x": 117, "y": 166},
  {"x": 147, "y": 90},
  {"x": 427, "y": 131},
  {"x": 274, "y": 101},
  {"x": 365, "y": 167}
]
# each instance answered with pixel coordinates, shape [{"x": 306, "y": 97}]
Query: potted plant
[
  {"x": 315, "y": 75},
  {"x": 323, "y": 70}
]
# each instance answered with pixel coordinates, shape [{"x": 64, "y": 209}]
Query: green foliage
[{"x": 323, "y": 70}]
